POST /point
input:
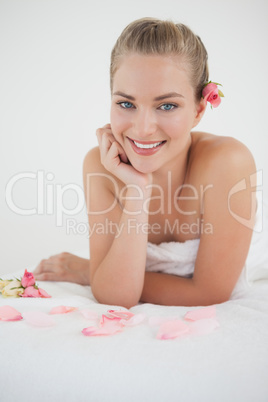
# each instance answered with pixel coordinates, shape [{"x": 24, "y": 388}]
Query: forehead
[{"x": 157, "y": 73}]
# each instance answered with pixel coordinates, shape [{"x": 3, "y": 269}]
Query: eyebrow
[{"x": 158, "y": 98}]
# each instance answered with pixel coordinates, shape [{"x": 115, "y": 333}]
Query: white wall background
[{"x": 54, "y": 93}]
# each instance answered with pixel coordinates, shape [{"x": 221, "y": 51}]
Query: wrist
[{"x": 135, "y": 199}]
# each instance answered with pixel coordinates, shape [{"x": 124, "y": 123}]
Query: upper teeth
[{"x": 147, "y": 145}]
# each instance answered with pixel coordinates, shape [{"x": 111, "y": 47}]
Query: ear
[{"x": 200, "y": 110}]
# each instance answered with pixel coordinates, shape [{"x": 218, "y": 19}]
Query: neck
[{"x": 175, "y": 172}]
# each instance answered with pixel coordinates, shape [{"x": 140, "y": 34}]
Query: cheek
[
  {"x": 173, "y": 126},
  {"x": 177, "y": 127},
  {"x": 119, "y": 121}
]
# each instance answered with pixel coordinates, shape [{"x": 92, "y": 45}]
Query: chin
[{"x": 144, "y": 167}]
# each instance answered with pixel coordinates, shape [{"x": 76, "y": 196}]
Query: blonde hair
[{"x": 153, "y": 36}]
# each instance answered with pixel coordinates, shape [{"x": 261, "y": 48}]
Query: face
[{"x": 153, "y": 110}]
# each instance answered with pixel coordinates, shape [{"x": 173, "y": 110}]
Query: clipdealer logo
[
  {"x": 256, "y": 181},
  {"x": 48, "y": 198},
  {"x": 132, "y": 226}
]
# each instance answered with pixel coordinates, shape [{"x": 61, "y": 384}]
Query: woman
[{"x": 153, "y": 181}]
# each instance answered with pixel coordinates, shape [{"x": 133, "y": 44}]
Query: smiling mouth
[{"x": 146, "y": 147}]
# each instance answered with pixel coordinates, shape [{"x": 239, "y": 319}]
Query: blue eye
[
  {"x": 168, "y": 106},
  {"x": 125, "y": 105}
]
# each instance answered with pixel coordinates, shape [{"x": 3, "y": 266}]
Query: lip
[{"x": 145, "y": 151}]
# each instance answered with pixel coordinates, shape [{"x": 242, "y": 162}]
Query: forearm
[
  {"x": 120, "y": 276},
  {"x": 172, "y": 290}
]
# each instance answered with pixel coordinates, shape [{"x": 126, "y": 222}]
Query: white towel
[{"x": 173, "y": 257}]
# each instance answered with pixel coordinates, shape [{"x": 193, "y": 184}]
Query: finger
[
  {"x": 61, "y": 257},
  {"x": 106, "y": 141},
  {"x": 39, "y": 267},
  {"x": 113, "y": 156},
  {"x": 103, "y": 130},
  {"x": 99, "y": 133},
  {"x": 121, "y": 152},
  {"x": 108, "y": 125},
  {"x": 105, "y": 145},
  {"x": 47, "y": 276},
  {"x": 59, "y": 262},
  {"x": 123, "y": 156},
  {"x": 53, "y": 259},
  {"x": 61, "y": 276},
  {"x": 44, "y": 266}
]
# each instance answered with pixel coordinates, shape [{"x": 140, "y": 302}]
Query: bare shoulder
[
  {"x": 92, "y": 162},
  {"x": 213, "y": 146},
  {"x": 214, "y": 155}
]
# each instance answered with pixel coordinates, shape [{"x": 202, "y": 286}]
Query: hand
[
  {"x": 114, "y": 159},
  {"x": 63, "y": 267}
]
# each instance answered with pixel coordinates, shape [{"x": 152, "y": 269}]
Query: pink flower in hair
[{"x": 212, "y": 94}]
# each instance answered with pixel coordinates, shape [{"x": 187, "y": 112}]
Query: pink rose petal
[
  {"x": 214, "y": 99},
  {"x": 30, "y": 291},
  {"x": 126, "y": 315},
  {"x": 8, "y": 313},
  {"x": 38, "y": 319},
  {"x": 95, "y": 331},
  {"x": 203, "y": 327},
  {"x": 135, "y": 320},
  {"x": 109, "y": 325},
  {"x": 43, "y": 293},
  {"x": 172, "y": 329},
  {"x": 201, "y": 314},
  {"x": 209, "y": 88},
  {"x": 106, "y": 319},
  {"x": 62, "y": 310},
  {"x": 27, "y": 279},
  {"x": 112, "y": 322},
  {"x": 211, "y": 94}
]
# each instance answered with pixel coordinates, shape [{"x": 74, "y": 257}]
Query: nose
[{"x": 144, "y": 123}]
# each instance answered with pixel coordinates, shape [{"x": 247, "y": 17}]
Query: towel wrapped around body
[{"x": 179, "y": 258}]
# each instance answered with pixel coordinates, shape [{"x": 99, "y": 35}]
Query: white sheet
[{"x": 60, "y": 363}]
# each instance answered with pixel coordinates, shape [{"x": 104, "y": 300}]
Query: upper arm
[
  {"x": 101, "y": 195},
  {"x": 229, "y": 212}
]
